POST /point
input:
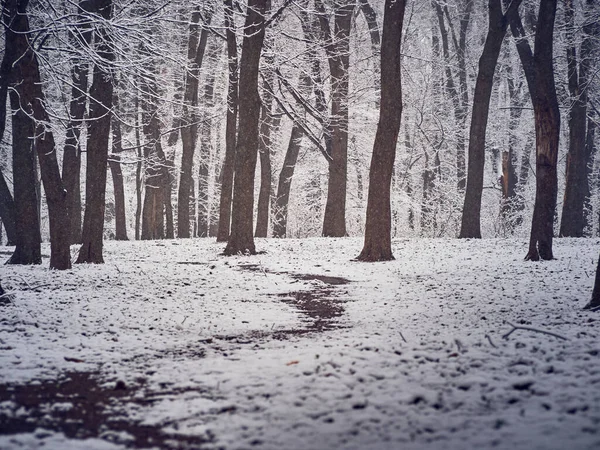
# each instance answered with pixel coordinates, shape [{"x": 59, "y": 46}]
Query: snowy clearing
[{"x": 169, "y": 345}]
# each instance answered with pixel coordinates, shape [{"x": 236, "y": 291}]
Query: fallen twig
[
  {"x": 402, "y": 336},
  {"x": 537, "y": 330},
  {"x": 487, "y": 336}
]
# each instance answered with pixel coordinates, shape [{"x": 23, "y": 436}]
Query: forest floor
[{"x": 169, "y": 345}]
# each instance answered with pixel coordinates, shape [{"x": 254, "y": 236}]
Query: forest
[{"x": 189, "y": 191}]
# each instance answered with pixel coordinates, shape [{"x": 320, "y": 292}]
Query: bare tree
[
  {"x": 377, "y": 245},
  {"x": 241, "y": 239}
]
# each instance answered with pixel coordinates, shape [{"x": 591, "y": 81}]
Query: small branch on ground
[
  {"x": 402, "y": 336},
  {"x": 487, "y": 336},
  {"x": 537, "y": 330}
]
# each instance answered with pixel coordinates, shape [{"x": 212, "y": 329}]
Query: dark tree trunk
[
  {"x": 371, "y": 19},
  {"x": 577, "y": 185},
  {"x": 241, "y": 239},
  {"x": 595, "y": 301},
  {"x": 378, "y": 231},
  {"x": 101, "y": 93},
  {"x": 590, "y": 151},
  {"x": 471, "y": 216},
  {"x": 264, "y": 150},
  {"x": 28, "y": 237},
  {"x": 71, "y": 165},
  {"x": 280, "y": 212},
  {"x": 547, "y": 129},
  {"x": 138, "y": 170},
  {"x": 7, "y": 212},
  {"x": 28, "y": 97},
  {"x": 189, "y": 132},
  {"x": 114, "y": 162},
  {"x": 338, "y": 55},
  {"x": 230, "y": 127}
]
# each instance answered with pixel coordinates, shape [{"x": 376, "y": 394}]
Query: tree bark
[
  {"x": 280, "y": 213},
  {"x": 595, "y": 301},
  {"x": 101, "y": 93},
  {"x": 378, "y": 236},
  {"x": 241, "y": 239},
  {"x": 114, "y": 162},
  {"x": 264, "y": 150},
  {"x": 29, "y": 98},
  {"x": 338, "y": 55},
  {"x": 189, "y": 132},
  {"x": 71, "y": 164},
  {"x": 7, "y": 212},
  {"x": 577, "y": 185},
  {"x": 471, "y": 216},
  {"x": 230, "y": 127},
  {"x": 547, "y": 129}
]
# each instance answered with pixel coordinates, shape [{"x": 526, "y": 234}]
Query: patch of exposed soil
[{"x": 80, "y": 406}]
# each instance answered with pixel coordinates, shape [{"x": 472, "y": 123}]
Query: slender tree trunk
[
  {"x": 471, "y": 217},
  {"x": 378, "y": 231},
  {"x": 577, "y": 185},
  {"x": 114, "y": 162},
  {"x": 371, "y": 19},
  {"x": 101, "y": 93},
  {"x": 71, "y": 164},
  {"x": 547, "y": 130},
  {"x": 230, "y": 127},
  {"x": 338, "y": 55},
  {"x": 264, "y": 150},
  {"x": 241, "y": 239},
  {"x": 280, "y": 213},
  {"x": 590, "y": 151},
  {"x": 189, "y": 132},
  {"x": 138, "y": 170}
]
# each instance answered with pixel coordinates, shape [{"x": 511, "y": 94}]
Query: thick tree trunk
[
  {"x": 577, "y": 184},
  {"x": 241, "y": 239},
  {"x": 230, "y": 127},
  {"x": 547, "y": 130},
  {"x": 378, "y": 235},
  {"x": 101, "y": 93},
  {"x": 471, "y": 216},
  {"x": 29, "y": 98},
  {"x": 28, "y": 237},
  {"x": 114, "y": 162},
  {"x": 280, "y": 212},
  {"x": 338, "y": 55},
  {"x": 189, "y": 132}
]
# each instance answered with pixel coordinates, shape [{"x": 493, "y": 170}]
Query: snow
[{"x": 229, "y": 350}]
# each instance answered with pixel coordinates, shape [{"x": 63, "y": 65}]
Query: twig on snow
[
  {"x": 537, "y": 330},
  {"x": 487, "y": 336},
  {"x": 402, "y": 336}
]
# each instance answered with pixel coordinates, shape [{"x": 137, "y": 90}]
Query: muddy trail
[{"x": 83, "y": 405}]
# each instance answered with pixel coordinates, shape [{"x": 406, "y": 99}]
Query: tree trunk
[
  {"x": 338, "y": 55},
  {"x": 371, "y": 19},
  {"x": 471, "y": 216},
  {"x": 241, "y": 239},
  {"x": 595, "y": 301},
  {"x": 29, "y": 98},
  {"x": 7, "y": 212},
  {"x": 189, "y": 132},
  {"x": 264, "y": 150},
  {"x": 230, "y": 127},
  {"x": 280, "y": 213},
  {"x": 97, "y": 146},
  {"x": 378, "y": 235},
  {"x": 547, "y": 129},
  {"x": 71, "y": 165},
  {"x": 114, "y": 162},
  {"x": 138, "y": 169},
  {"x": 577, "y": 185}
]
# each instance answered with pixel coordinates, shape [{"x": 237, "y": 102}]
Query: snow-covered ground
[{"x": 170, "y": 345}]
